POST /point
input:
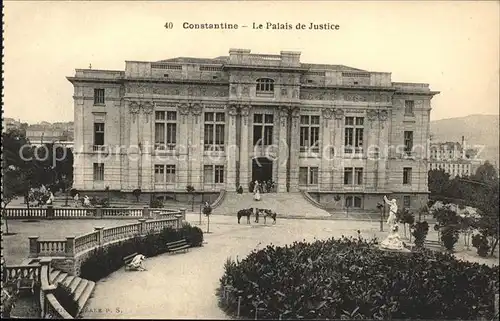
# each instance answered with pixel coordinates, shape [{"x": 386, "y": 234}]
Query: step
[
  {"x": 85, "y": 296},
  {"x": 60, "y": 277},
  {"x": 67, "y": 281},
  {"x": 78, "y": 290},
  {"x": 54, "y": 274},
  {"x": 75, "y": 284}
]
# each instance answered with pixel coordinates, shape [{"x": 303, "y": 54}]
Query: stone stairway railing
[
  {"x": 48, "y": 255},
  {"x": 311, "y": 200}
]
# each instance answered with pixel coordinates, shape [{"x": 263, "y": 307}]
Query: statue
[{"x": 393, "y": 240}]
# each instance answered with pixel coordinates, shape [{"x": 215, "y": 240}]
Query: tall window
[
  {"x": 348, "y": 179},
  {"x": 165, "y": 130},
  {"x": 407, "y": 175},
  {"x": 219, "y": 174},
  {"x": 214, "y": 131},
  {"x": 353, "y": 201},
  {"x": 213, "y": 174},
  {"x": 308, "y": 175},
  {"x": 358, "y": 171},
  {"x": 353, "y": 138},
  {"x": 165, "y": 173},
  {"x": 406, "y": 201},
  {"x": 98, "y": 134},
  {"x": 309, "y": 133},
  {"x": 98, "y": 171},
  {"x": 409, "y": 104},
  {"x": 265, "y": 86},
  {"x": 98, "y": 96},
  {"x": 408, "y": 141},
  {"x": 263, "y": 129},
  {"x": 353, "y": 176}
]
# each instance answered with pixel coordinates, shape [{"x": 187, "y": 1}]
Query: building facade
[
  {"x": 340, "y": 133},
  {"x": 452, "y": 158}
]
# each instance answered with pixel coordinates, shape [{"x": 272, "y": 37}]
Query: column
[
  {"x": 283, "y": 150},
  {"x": 196, "y": 152},
  {"x": 133, "y": 152},
  {"x": 325, "y": 152},
  {"x": 231, "y": 150},
  {"x": 372, "y": 133},
  {"x": 182, "y": 140},
  {"x": 147, "y": 122},
  {"x": 338, "y": 159},
  {"x": 383, "y": 143},
  {"x": 244, "y": 161},
  {"x": 294, "y": 147}
]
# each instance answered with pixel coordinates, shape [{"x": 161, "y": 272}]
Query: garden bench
[
  {"x": 181, "y": 245},
  {"x": 127, "y": 259}
]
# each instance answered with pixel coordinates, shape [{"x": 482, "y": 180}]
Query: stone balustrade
[
  {"x": 15, "y": 272},
  {"x": 75, "y": 213}
]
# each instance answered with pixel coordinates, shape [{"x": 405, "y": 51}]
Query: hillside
[{"x": 478, "y": 130}]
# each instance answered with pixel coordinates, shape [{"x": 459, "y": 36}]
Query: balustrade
[
  {"x": 51, "y": 248},
  {"x": 31, "y": 272},
  {"x": 86, "y": 241}
]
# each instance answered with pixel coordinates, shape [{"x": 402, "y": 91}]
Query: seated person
[{"x": 136, "y": 262}]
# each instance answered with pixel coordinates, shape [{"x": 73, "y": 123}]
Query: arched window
[{"x": 265, "y": 85}]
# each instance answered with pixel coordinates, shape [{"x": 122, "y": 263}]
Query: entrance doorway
[{"x": 262, "y": 169}]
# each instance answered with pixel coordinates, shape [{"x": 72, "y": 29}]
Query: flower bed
[
  {"x": 106, "y": 260},
  {"x": 351, "y": 278}
]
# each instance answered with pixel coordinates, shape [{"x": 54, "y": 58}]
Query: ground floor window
[
  {"x": 353, "y": 202},
  {"x": 308, "y": 175},
  {"x": 406, "y": 201},
  {"x": 98, "y": 171},
  {"x": 213, "y": 174},
  {"x": 164, "y": 173}
]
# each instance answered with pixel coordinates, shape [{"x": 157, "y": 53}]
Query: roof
[{"x": 225, "y": 59}]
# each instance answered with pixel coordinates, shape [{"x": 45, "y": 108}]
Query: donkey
[
  {"x": 271, "y": 214},
  {"x": 245, "y": 212}
]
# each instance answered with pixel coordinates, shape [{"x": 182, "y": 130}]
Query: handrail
[
  {"x": 220, "y": 198},
  {"x": 312, "y": 201}
]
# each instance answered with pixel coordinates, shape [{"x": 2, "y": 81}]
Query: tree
[
  {"x": 137, "y": 193},
  {"x": 14, "y": 185},
  {"x": 486, "y": 173},
  {"x": 190, "y": 189},
  {"x": 438, "y": 181},
  {"x": 207, "y": 210}
]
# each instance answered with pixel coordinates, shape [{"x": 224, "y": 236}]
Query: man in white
[
  {"x": 136, "y": 263},
  {"x": 51, "y": 199}
]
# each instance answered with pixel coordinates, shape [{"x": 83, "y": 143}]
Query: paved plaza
[{"x": 183, "y": 285}]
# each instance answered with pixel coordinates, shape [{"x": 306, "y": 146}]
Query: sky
[{"x": 453, "y": 46}]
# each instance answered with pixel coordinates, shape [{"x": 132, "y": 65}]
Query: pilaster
[
  {"x": 282, "y": 150},
  {"x": 325, "y": 174},
  {"x": 231, "y": 150},
  {"x": 182, "y": 147},
  {"x": 338, "y": 142},
  {"x": 196, "y": 152},
  {"x": 133, "y": 148},
  {"x": 244, "y": 161},
  {"x": 384, "y": 153},
  {"x": 147, "y": 143},
  {"x": 294, "y": 147}
]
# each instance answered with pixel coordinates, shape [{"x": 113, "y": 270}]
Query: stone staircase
[
  {"x": 287, "y": 205},
  {"x": 81, "y": 288}
]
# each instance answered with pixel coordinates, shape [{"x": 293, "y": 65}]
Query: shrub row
[
  {"x": 351, "y": 278},
  {"x": 66, "y": 299},
  {"x": 104, "y": 261}
]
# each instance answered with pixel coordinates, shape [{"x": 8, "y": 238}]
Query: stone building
[
  {"x": 453, "y": 158},
  {"x": 343, "y": 134}
]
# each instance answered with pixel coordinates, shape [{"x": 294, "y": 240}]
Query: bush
[
  {"x": 480, "y": 242},
  {"x": 449, "y": 237},
  {"x": 156, "y": 204},
  {"x": 104, "y": 261},
  {"x": 419, "y": 231},
  {"x": 8, "y": 301},
  {"x": 193, "y": 234},
  {"x": 66, "y": 299},
  {"x": 348, "y": 277}
]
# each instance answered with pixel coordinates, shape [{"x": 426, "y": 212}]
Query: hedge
[
  {"x": 105, "y": 261},
  {"x": 352, "y": 278}
]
